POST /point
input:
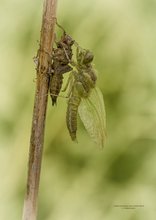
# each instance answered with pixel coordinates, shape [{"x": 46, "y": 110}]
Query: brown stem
[{"x": 39, "y": 112}]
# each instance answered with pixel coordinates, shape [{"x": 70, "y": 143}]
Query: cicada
[
  {"x": 60, "y": 64},
  {"x": 86, "y": 99}
]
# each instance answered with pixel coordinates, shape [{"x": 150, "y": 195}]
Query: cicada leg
[
  {"x": 72, "y": 62},
  {"x": 69, "y": 84},
  {"x": 78, "y": 55},
  {"x": 58, "y": 95}
]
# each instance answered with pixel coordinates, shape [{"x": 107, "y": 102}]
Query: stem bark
[{"x": 39, "y": 112}]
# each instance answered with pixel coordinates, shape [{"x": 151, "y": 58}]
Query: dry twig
[{"x": 39, "y": 112}]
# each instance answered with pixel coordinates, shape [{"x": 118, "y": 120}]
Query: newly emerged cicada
[
  {"x": 85, "y": 99},
  {"x": 60, "y": 64}
]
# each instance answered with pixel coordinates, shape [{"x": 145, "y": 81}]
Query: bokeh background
[{"x": 80, "y": 181}]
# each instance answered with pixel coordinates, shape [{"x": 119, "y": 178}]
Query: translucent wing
[{"x": 92, "y": 113}]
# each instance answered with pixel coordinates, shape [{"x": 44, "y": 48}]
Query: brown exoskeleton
[{"x": 60, "y": 64}]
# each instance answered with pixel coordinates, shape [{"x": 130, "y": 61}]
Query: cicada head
[
  {"x": 65, "y": 42},
  {"x": 85, "y": 57},
  {"x": 88, "y": 57},
  {"x": 66, "y": 39}
]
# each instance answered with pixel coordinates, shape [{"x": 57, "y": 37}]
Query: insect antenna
[
  {"x": 65, "y": 97},
  {"x": 60, "y": 26}
]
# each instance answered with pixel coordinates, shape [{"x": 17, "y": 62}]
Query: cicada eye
[
  {"x": 68, "y": 40},
  {"x": 88, "y": 58}
]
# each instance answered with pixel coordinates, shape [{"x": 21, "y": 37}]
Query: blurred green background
[{"x": 80, "y": 181}]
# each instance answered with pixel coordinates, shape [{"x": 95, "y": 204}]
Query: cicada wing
[{"x": 92, "y": 113}]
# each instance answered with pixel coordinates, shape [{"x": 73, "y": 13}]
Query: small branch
[{"x": 39, "y": 112}]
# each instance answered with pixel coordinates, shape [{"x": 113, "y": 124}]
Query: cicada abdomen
[
  {"x": 72, "y": 111},
  {"x": 55, "y": 86},
  {"x": 56, "y": 81},
  {"x": 60, "y": 65}
]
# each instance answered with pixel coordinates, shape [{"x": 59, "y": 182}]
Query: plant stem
[{"x": 39, "y": 112}]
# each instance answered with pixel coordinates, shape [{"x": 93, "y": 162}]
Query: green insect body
[
  {"x": 71, "y": 115},
  {"x": 84, "y": 81},
  {"x": 61, "y": 58},
  {"x": 85, "y": 99}
]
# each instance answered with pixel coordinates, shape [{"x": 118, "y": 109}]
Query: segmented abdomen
[
  {"x": 55, "y": 86},
  {"x": 71, "y": 116}
]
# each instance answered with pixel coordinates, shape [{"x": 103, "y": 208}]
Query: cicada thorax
[
  {"x": 72, "y": 111},
  {"x": 85, "y": 68},
  {"x": 86, "y": 80},
  {"x": 61, "y": 58},
  {"x": 91, "y": 73}
]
